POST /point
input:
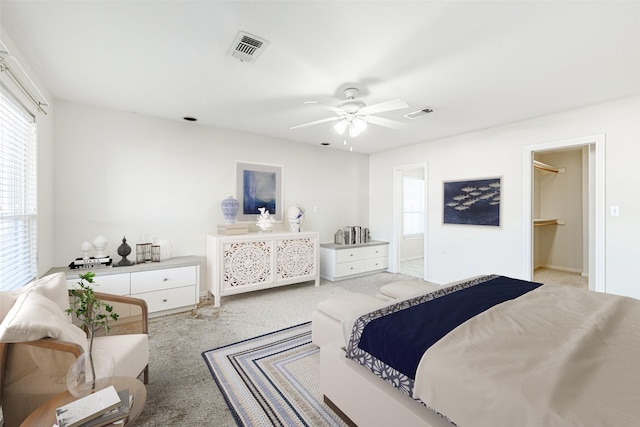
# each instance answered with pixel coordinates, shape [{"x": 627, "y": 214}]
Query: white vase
[
  {"x": 80, "y": 378},
  {"x": 165, "y": 249}
]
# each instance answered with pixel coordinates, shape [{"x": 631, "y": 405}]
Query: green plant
[{"x": 92, "y": 313}]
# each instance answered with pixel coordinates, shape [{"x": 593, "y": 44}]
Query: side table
[{"x": 45, "y": 415}]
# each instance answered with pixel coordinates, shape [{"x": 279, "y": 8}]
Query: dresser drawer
[
  {"x": 376, "y": 264},
  {"x": 167, "y": 278},
  {"x": 377, "y": 251},
  {"x": 348, "y": 255},
  {"x": 114, "y": 284},
  {"x": 348, "y": 268},
  {"x": 168, "y": 299}
]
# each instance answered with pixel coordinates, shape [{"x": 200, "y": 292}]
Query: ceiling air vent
[
  {"x": 420, "y": 113},
  {"x": 247, "y": 47}
]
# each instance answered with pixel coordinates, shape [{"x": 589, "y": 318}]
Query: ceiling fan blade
[
  {"x": 325, "y": 106},
  {"x": 317, "y": 122},
  {"x": 381, "y": 121},
  {"x": 395, "y": 104}
]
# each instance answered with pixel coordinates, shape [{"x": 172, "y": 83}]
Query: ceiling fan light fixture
[
  {"x": 353, "y": 132},
  {"x": 341, "y": 126},
  {"x": 359, "y": 124}
]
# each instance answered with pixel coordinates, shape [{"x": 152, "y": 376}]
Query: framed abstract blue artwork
[
  {"x": 473, "y": 202},
  {"x": 258, "y": 186}
]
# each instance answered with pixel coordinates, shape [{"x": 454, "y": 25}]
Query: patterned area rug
[{"x": 273, "y": 379}]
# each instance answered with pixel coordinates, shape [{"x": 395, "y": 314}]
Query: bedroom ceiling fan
[{"x": 354, "y": 115}]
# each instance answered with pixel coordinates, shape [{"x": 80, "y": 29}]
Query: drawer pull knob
[
  {"x": 164, "y": 300},
  {"x": 165, "y": 279}
]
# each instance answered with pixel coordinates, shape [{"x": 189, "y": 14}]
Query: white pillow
[
  {"x": 7, "y": 299},
  {"x": 53, "y": 286},
  {"x": 34, "y": 316}
]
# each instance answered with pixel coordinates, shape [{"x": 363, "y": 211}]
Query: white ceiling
[{"x": 478, "y": 63}]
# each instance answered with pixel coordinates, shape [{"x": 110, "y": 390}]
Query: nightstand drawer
[
  {"x": 168, "y": 278},
  {"x": 376, "y": 264},
  {"x": 348, "y": 255},
  {"x": 348, "y": 268},
  {"x": 377, "y": 251},
  {"x": 168, "y": 299}
]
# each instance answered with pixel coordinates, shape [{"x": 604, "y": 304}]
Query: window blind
[
  {"x": 18, "y": 194},
  {"x": 413, "y": 206}
]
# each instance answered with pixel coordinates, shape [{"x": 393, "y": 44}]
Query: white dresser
[
  {"x": 339, "y": 262},
  {"x": 168, "y": 286},
  {"x": 254, "y": 261}
]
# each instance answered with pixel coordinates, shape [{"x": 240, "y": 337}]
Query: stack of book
[
  {"x": 90, "y": 263},
  {"x": 104, "y": 407},
  {"x": 235, "y": 228}
]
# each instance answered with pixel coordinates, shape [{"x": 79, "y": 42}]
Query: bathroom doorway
[{"x": 410, "y": 220}]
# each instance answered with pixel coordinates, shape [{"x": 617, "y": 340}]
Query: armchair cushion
[
  {"x": 130, "y": 352},
  {"x": 34, "y": 316}
]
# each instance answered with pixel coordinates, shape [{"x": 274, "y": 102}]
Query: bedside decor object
[
  {"x": 230, "y": 208},
  {"x": 295, "y": 215},
  {"x": 140, "y": 253},
  {"x": 88, "y": 408},
  {"x": 258, "y": 186},
  {"x": 85, "y": 248},
  {"x": 265, "y": 222},
  {"x": 237, "y": 228},
  {"x": 472, "y": 202},
  {"x": 155, "y": 253},
  {"x": 93, "y": 315},
  {"x": 165, "y": 249},
  {"x": 124, "y": 250},
  {"x": 100, "y": 244}
]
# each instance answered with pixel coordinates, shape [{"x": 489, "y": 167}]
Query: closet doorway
[
  {"x": 410, "y": 220},
  {"x": 566, "y": 224}
]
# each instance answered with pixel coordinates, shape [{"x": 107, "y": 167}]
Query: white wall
[
  {"x": 455, "y": 252},
  {"x": 123, "y": 174}
]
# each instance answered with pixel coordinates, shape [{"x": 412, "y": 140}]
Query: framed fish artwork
[{"x": 473, "y": 202}]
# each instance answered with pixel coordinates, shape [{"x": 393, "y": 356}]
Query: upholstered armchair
[{"x": 39, "y": 343}]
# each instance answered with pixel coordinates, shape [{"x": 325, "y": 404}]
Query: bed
[{"x": 490, "y": 351}]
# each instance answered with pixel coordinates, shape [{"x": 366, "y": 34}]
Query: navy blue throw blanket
[{"x": 399, "y": 339}]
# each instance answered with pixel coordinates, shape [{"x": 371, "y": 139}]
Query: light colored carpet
[
  {"x": 550, "y": 276},
  {"x": 181, "y": 391}
]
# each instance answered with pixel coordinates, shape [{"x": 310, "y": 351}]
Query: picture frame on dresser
[{"x": 258, "y": 186}]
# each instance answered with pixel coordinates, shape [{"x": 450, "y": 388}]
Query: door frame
[
  {"x": 597, "y": 208},
  {"x": 394, "y": 258}
]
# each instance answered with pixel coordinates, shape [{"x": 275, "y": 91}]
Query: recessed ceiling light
[{"x": 190, "y": 119}]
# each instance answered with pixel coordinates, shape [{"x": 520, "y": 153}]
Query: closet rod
[{"x": 546, "y": 167}]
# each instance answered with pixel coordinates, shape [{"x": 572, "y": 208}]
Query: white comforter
[{"x": 556, "y": 356}]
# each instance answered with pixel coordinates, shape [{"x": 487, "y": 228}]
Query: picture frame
[
  {"x": 258, "y": 185},
  {"x": 473, "y": 202}
]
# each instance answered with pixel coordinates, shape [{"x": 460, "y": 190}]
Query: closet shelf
[
  {"x": 541, "y": 222},
  {"x": 547, "y": 168}
]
